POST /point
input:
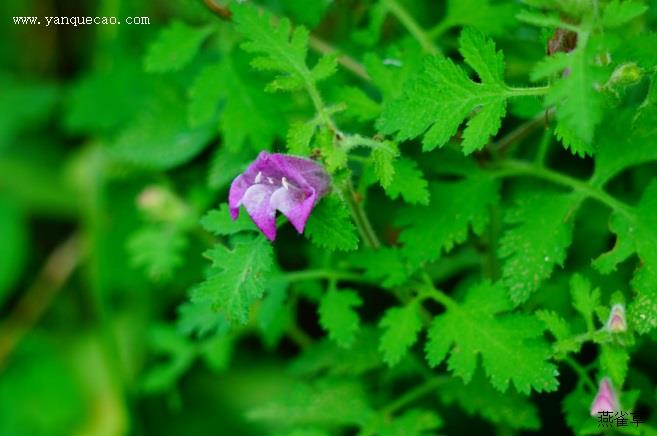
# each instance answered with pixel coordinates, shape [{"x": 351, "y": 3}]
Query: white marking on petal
[
  {"x": 258, "y": 178},
  {"x": 270, "y": 180},
  {"x": 284, "y": 182}
]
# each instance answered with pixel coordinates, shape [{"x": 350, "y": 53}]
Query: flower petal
[
  {"x": 295, "y": 204},
  {"x": 302, "y": 172},
  {"x": 237, "y": 190},
  {"x": 256, "y": 200}
]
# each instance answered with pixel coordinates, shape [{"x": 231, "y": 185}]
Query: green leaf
[
  {"x": 384, "y": 265},
  {"x": 360, "y": 106},
  {"x": 384, "y": 165},
  {"x": 585, "y": 299},
  {"x": 478, "y": 397},
  {"x": 299, "y": 136},
  {"x": 338, "y": 317},
  {"x": 560, "y": 329},
  {"x": 437, "y": 100},
  {"x": 618, "y": 13},
  {"x": 491, "y": 17},
  {"x": 409, "y": 182},
  {"x": 414, "y": 422},
  {"x": 159, "y": 137},
  {"x": 180, "y": 355},
  {"x": 248, "y": 118},
  {"x": 281, "y": 50},
  {"x": 220, "y": 223},
  {"x": 578, "y": 104},
  {"x": 455, "y": 208},
  {"x": 537, "y": 242},
  {"x": 237, "y": 277},
  {"x": 509, "y": 344},
  {"x": 637, "y": 233},
  {"x": 330, "y": 226},
  {"x": 614, "y": 363},
  {"x": 175, "y": 47},
  {"x": 159, "y": 250},
  {"x": 401, "y": 326}
]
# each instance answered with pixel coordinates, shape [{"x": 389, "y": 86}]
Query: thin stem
[
  {"x": 319, "y": 104},
  {"x": 349, "y": 63},
  {"x": 522, "y": 131},
  {"x": 435, "y": 294},
  {"x": 360, "y": 218},
  {"x": 413, "y": 394},
  {"x": 412, "y": 26},
  {"x": 514, "y": 168},
  {"x": 440, "y": 28},
  {"x": 323, "y": 274},
  {"x": 524, "y": 92},
  {"x": 543, "y": 148},
  {"x": 581, "y": 372},
  {"x": 53, "y": 275}
]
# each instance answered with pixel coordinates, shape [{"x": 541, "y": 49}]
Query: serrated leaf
[
  {"x": 636, "y": 231},
  {"x": 174, "y": 47},
  {"x": 578, "y": 104},
  {"x": 478, "y": 397},
  {"x": 541, "y": 232},
  {"x": 437, "y": 100},
  {"x": 455, "y": 208},
  {"x": 401, "y": 326},
  {"x": 237, "y": 277},
  {"x": 280, "y": 49},
  {"x": 338, "y": 317},
  {"x": 585, "y": 299},
  {"x": 384, "y": 167},
  {"x": 330, "y": 226},
  {"x": 560, "y": 329},
  {"x": 299, "y": 136},
  {"x": 219, "y": 222},
  {"x": 509, "y": 344},
  {"x": 409, "y": 182},
  {"x": 247, "y": 117},
  {"x": 614, "y": 363},
  {"x": 617, "y": 13},
  {"x": 159, "y": 250},
  {"x": 384, "y": 264}
]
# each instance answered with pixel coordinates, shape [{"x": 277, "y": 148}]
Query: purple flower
[
  {"x": 616, "y": 322},
  {"x": 606, "y": 399},
  {"x": 290, "y": 184}
]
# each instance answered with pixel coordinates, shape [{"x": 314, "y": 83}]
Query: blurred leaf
[
  {"x": 337, "y": 315},
  {"x": 401, "y": 326},
  {"x": 330, "y": 226},
  {"x": 159, "y": 250},
  {"x": 174, "y": 47}
]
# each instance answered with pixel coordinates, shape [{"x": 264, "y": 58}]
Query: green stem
[
  {"x": 412, "y": 26},
  {"x": 581, "y": 372},
  {"x": 413, "y": 394},
  {"x": 524, "y": 92},
  {"x": 360, "y": 218},
  {"x": 514, "y": 168},
  {"x": 440, "y": 28},
  {"x": 543, "y": 148},
  {"x": 435, "y": 294},
  {"x": 319, "y": 105}
]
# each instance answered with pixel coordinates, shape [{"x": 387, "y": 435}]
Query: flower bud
[
  {"x": 160, "y": 204},
  {"x": 606, "y": 399},
  {"x": 617, "y": 322},
  {"x": 626, "y": 74}
]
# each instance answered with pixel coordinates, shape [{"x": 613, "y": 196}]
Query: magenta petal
[
  {"x": 256, "y": 200},
  {"x": 237, "y": 190},
  {"x": 296, "y": 205},
  {"x": 605, "y": 400},
  {"x": 302, "y": 172}
]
